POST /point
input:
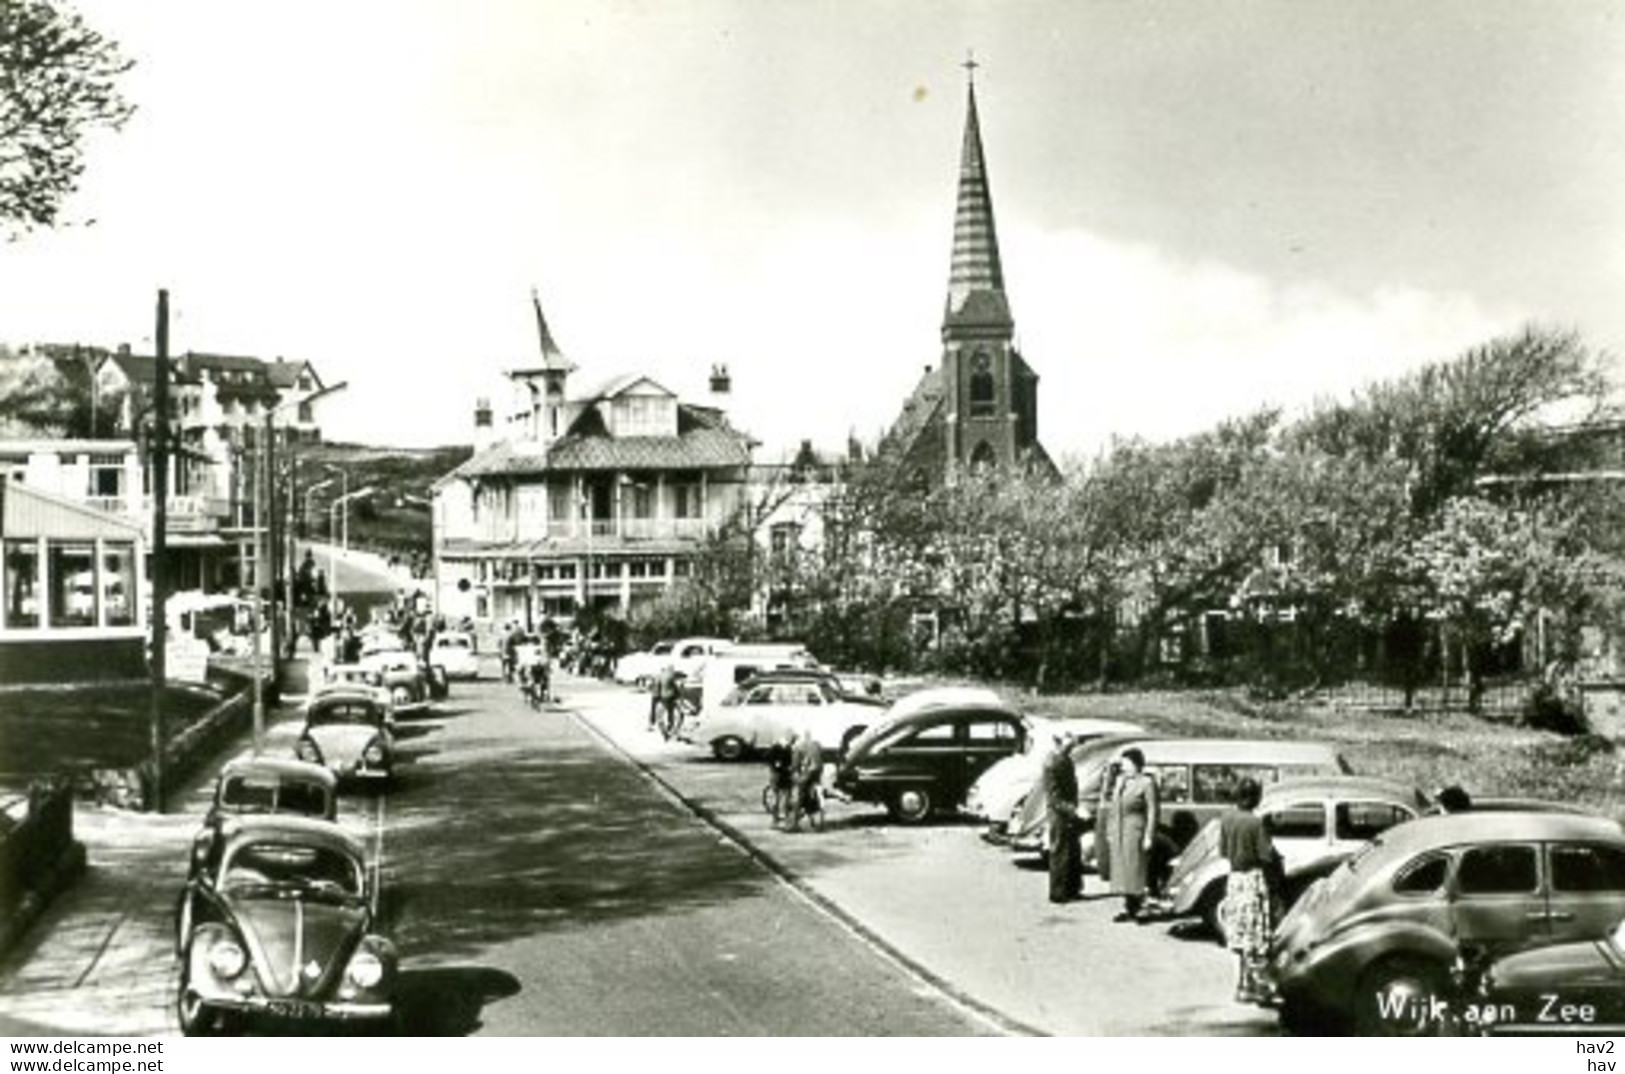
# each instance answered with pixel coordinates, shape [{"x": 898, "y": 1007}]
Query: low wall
[
  {"x": 39, "y": 858},
  {"x": 184, "y": 753},
  {"x": 71, "y": 660}
]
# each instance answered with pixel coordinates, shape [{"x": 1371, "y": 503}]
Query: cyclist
[{"x": 537, "y": 675}]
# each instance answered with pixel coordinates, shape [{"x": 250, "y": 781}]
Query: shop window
[
  {"x": 22, "y": 580},
  {"x": 119, "y": 584},
  {"x": 71, "y": 569}
]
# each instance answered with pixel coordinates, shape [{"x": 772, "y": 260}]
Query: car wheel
[
  {"x": 911, "y": 805},
  {"x": 1396, "y": 995},
  {"x": 729, "y": 748}
]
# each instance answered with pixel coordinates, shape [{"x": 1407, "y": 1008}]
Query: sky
[{"x": 1203, "y": 206}]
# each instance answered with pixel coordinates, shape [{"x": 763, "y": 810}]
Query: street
[{"x": 535, "y": 883}]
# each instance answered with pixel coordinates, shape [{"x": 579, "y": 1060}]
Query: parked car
[
  {"x": 402, "y": 675},
  {"x": 257, "y": 785},
  {"x": 356, "y": 678},
  {"x": 640, "y": 668},
  {"x": 1317, "y": 823},
  {"x": 1370, "y": 946},
  {"x": 719, "y": 674},
  {"x": 348, "y": 734},
  {"x": 926, "y": 759},
  {"x": 279, "y": 921},
  {"x": 1575, "y": 989},
  {"x": 769, "y": 705},
  {"x": 453, "y": 651},
  {"x": 1002, "y": 789},
  {"x": 1196, "y": 781}
]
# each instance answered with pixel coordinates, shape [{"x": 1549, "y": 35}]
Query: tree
[
  {"x": 58, "y": 81},
  {"x": 57, "y": 395},
  {"x": 1483, "y": 412}
]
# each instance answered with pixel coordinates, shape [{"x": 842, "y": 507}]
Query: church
[{"x": 980, "y": 408}]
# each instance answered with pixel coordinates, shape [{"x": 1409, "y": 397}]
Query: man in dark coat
[{"x": 1060, "y": 785}]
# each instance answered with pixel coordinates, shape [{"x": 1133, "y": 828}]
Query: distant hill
[{"x": 395, "y": 520}]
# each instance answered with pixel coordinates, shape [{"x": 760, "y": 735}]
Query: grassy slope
[{"x": 396, "y": 520}]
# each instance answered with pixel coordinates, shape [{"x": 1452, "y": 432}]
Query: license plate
[{"x": 294, "y": 1008}]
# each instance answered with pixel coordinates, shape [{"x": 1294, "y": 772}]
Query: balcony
[{"x": 628, "y": 529}]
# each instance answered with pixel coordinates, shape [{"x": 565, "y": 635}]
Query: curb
[{"x": 1001, "y": 1021}]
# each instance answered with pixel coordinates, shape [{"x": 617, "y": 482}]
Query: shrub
[{"x": 1548, "y": 708}]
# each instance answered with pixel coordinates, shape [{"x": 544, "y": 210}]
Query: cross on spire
[{"x": 970, "y": 65}]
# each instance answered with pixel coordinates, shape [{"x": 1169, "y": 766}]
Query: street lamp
[
  {"x": 260, "y": 537},
  {"x": 309, "y": 493},
  {"x": 342, "y": 503}
]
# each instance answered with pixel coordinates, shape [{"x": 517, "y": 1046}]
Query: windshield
[
  {"x": 251, "y": 794},
  {"x": 293, "y": 867},
  {"x": 343, "y": 712}
]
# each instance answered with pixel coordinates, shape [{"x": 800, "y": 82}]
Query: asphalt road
[
  {"x": 536, "y": 882},
  {"x": 539, "y": 884}
]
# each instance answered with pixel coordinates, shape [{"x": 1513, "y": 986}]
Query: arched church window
[
  {"x": 982, "y": 456},
  {"x": 983, "y": 392}
]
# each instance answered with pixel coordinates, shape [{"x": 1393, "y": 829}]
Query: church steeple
[{"x": 976, "y": 276}]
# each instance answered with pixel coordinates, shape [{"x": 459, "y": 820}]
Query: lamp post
[
  {"x": 275, "y": 537},
  {"x": 340, "y": 504},
  {"x": 309, "y": 493}
]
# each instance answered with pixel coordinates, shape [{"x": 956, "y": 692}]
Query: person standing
[
  {"x": 1245, "y": 913},
  {"x": 1134, "y": 820},
  {"x": 779, "y": 761},
  {"x": 668, "y": 689},
  {"x": 1060, "y": 784},
  {"x": 806, "y": 770}
]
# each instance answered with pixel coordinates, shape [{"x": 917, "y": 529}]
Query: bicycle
[
  {"x": 812, "y": 803},
  {"x": 675, "y": 715}
]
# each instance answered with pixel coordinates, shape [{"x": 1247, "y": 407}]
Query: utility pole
[{"x": 160, "y": 519}]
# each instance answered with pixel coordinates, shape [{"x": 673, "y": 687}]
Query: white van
[{"x": 726, "y": 670}]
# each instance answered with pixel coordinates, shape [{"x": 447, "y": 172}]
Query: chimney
[
  {"x": 721, "y": 383},
  {"x": 124, "y": 350},
  {"x": 484, "y": 434}
]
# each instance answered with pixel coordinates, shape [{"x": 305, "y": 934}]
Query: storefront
[{"x": 72, "y": 591}]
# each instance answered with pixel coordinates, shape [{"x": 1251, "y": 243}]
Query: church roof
[
  {"x": 920, "y": 414},
  {"x": 976, "y": 267}
]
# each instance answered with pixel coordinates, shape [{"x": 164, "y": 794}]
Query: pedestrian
[
  {"x": 806, "y": 770},
  {"x": 667, "y": 691},
  {"x": 781, "y": 777},
  {"x": 1453, "y": 799},
  {"x": 510, "y": 651},
  {"x": 1133, "y": 824},
  {"x": 1060, "y": 785},
  {"x": 1245, "y": 913}
]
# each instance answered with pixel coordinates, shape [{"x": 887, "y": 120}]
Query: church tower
[{"x": 989, "y": 394}]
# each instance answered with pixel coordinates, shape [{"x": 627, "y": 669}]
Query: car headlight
[
  {"x": 365, "y": 970},
  {"x": 227, "y": 958},
  {"x": 309, "y": 751},
  {"x": 374, "y": 753}
]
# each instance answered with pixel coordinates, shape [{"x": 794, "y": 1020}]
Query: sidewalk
[
  {"x": 959, "y": 911},
  {"x": 86, "y": 966}
]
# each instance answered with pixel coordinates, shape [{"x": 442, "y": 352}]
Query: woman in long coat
[{"x": 1134, "y": 817}]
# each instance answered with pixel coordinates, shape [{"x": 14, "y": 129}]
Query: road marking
[{"x": 926, "y": 983}]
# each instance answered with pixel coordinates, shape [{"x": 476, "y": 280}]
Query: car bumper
[{"x": 302, "y": 1009}]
